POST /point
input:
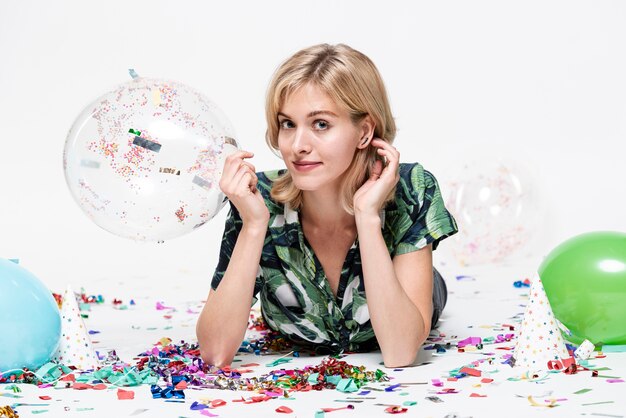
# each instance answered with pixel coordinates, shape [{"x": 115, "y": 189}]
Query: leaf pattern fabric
[{"x": 295, "y": 296}]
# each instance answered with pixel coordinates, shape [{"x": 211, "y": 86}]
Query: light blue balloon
[{"x": 30, "y": 322}]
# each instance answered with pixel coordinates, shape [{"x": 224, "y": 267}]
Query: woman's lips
[{"x": 306, "y": 166}]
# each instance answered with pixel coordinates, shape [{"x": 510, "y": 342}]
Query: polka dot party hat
[
  {"x": 539, "y": 340},
  {"x": 75, "y": 348}
]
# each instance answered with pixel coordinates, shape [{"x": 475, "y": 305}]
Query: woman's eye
[
  {"x": 286, "y": 124},
  {"x": 320, "y": 125}
]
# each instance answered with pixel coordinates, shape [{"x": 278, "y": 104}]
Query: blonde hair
[{"x": 351, "y": 79}]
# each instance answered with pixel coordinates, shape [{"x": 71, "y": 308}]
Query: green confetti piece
[
  {"x": 38, "y": 411},
  {"x": 134, "y": 132},
  {"x": 313, "y": 379},
  {"x": 580, "y": 392},
  {"x": 588, "y": 365},
  {"x": 409, "y": 403},
  {"x": 278, "y": 361},
  {"x": 333, "y": 379},
  {"x": 319, "y": 414},
  {"x": 284, "y": 385},
  {"x": 151, "y": 380},
  {"x": 84, "y": 409},
  {"x": 48, "y": 372},
  {"x": 347, "y": 386},
  {"x": 403, "y": 393},
  {"x": 596, "y": 403}
]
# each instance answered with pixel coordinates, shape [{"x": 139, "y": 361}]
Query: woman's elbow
[
  {"x": 211, "y": 353},
  {"x": 392, "y": 363},
  {"x": 400, "y": 358},
  {"x": 214, "y": 356}
]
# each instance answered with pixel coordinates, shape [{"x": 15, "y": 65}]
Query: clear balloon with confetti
[
  {"x": 144, "y": 160},
  {"x": 495, "y": 206}
]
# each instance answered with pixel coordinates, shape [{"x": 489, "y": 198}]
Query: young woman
[{"x": 338, "y": 246}]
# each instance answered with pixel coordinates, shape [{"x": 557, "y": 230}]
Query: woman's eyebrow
[
  {"x": 311, "y": 114},
  {"x": 321, "y": 112}
]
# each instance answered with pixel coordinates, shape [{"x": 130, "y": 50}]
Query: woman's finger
[
  {"x": 243, "y": 179},
  {"x": 392, "y": 162},
  {"x": 377, "y": 169},
  {"x": 233, "y": 161},
  {"x": 250, "y": 165}
]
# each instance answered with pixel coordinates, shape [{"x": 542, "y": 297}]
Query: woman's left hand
[{"x": 370, "y": 197}]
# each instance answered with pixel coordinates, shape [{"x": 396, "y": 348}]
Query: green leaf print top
[{"x": 295, "y": 296}]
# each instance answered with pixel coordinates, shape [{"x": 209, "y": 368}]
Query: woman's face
[{"x": 317, "y": 138}]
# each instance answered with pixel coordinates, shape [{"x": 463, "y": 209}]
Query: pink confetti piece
[
  {"x": 447, "y": 391},
  {"x": 469, "y": 341},
  {"x": 615, "y": 380},
  {"x": 471, "y": 372},
  {"x": 125, "y": 394},
  {"x": 437, "y": 382},
  {"x": 396, "y": 410},
  {"x": 284, "y": 410},
  {"x": 160, "y": 306}
]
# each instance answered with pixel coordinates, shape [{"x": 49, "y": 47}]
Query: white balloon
[
  {"x": 144, "y": 160},
  {"x": 495, "y": 206}
]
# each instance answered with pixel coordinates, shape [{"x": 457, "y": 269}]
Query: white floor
[{"x": 476, "y": 307}]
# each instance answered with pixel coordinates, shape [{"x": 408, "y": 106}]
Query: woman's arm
[
  {"x": 399, "y": 294},
  {"x": 223, "y": 321}
]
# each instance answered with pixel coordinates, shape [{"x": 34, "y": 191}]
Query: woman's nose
[{"x": 301, "y": 142}]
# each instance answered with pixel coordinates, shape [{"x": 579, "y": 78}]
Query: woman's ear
[{"x": 367, "y": 129}]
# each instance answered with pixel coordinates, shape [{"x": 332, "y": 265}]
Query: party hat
[
  {"x": 75, "y": 347},
  {"x": 539, "y": 343}
]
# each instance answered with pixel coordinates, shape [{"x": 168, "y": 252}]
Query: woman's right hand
[{"x": 238, "y": 183}]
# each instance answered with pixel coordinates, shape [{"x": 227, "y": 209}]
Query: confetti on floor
[{"x": 150, "y": 366}]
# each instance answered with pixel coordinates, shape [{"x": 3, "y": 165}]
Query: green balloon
[{"x": 585, "y": 281}]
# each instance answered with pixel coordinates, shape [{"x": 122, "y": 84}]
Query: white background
[{"x": 542, "y": 82}]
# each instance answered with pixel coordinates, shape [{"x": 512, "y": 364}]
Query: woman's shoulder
[{"x": 414, "y": 183}]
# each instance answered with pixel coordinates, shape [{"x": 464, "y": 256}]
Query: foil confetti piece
[{"x": 147, "y": 144}]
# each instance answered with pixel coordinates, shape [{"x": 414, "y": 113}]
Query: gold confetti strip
[
  {"x": 169, "y": 171},
  {"x": 551, "y": 404},
  {"x": 7, "y": 411}
]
